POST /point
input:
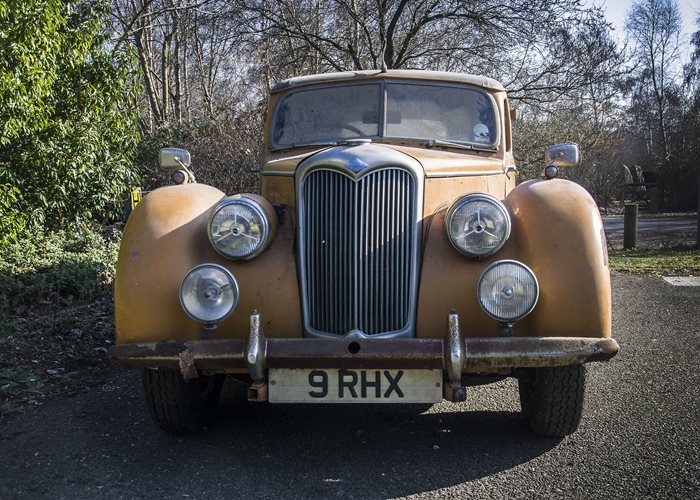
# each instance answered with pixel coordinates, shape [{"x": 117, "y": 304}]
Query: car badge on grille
[{"x": 357, "y": 165}]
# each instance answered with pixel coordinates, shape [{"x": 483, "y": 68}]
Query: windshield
[{"x": 414, "y": 111}]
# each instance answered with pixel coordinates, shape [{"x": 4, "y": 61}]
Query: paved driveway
[{"x": 640, "y": 436}]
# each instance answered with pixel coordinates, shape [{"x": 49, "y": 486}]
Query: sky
[{"x": 616, "y": 12}]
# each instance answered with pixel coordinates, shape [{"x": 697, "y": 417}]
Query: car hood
[{"x": 435, "y": 162}]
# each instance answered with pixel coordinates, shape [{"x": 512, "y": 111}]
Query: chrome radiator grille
[{"x": 358, "y": 246}]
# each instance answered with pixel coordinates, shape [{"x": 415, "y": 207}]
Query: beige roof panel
[{"x": 409, "y": 74}]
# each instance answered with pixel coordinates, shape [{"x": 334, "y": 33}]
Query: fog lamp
[
  {"x": 179, "y": 176},
  {"x": 507, "y": 290},
  {"x": 209, "y": 293},
  {"x": 550, "y": 172}
]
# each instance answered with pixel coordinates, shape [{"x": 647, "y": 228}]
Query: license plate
[{"x": 354, "y": 386}]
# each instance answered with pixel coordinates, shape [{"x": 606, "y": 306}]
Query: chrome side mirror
[
  {"x": 174, "y": 159},
  {"x": 562, "y": 155},
  {"x": 177, "y": 161}
]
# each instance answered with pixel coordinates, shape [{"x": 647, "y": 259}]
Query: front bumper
[{"x": 456, "y": 355}]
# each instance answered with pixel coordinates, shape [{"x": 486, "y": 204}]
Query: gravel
[{"x": 639, "y": 436}]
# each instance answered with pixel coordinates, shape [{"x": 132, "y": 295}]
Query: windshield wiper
[
  {"x": 320, "y": 143},
  {"x": 469, "y": 147}
]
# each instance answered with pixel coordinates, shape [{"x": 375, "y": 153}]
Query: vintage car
[{"x": 390, "y": 257}]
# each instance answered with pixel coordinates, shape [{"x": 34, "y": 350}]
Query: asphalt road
[
  {"x": 660, "y": 224},
  {"x": 640, "y": 436}
]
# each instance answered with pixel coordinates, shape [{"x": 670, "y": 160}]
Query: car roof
[{"x": 408, "y": 74}]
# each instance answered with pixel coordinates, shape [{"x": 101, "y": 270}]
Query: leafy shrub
[
  {"x": 12, "y": 222},
  {"x": 68, "y": 114},
  {"x": 56, "y": 269}
]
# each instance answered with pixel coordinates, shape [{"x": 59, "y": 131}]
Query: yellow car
[{"x": 390, "y": 257}]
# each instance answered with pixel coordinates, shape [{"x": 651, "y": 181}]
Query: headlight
[
  {"x": 209, "y": 293},
  {"x": 478, "y": 225},
  {"x": 239, "y": 228},
  {"x": 507, "y": 290}
]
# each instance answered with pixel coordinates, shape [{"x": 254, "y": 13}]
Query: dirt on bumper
[{"x": 480, "y": 353}]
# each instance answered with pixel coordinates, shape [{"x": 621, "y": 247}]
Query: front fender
[
  {"x": 561, "y": 237},
  {"x": 165, "y": 237},
  {"x": 556, "y": 231}
]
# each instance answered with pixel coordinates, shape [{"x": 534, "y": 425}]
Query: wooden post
[{"x": 630, "y": 238}]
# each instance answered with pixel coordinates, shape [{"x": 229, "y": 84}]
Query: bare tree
[
  {"x": 140, "y": 22},
  {"x": 207, "y": 64},
  {"x": 590, "y": 113},
  {"x": 526, "y": 44},
  {"x": 654, "y": 27},
  {"x": 187, "y": 52},
  {"x": 692, "y": 81},
  {"x": 194, "y": 64}
]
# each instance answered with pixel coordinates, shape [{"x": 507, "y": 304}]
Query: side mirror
[
  {"x": 174, "y": 159},
  {"x": 562, "y": 155}
]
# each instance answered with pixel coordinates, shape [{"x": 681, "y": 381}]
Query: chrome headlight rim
[
  {"x": 469, "y": 198},
  {"x": 265, "y": 224},
  {"x": 518, "y": 264},
  {"x": 230, "y": 278}
]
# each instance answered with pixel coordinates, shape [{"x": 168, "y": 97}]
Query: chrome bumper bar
[{"x": 455, "y": 355}]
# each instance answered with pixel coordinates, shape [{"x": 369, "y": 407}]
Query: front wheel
[
  {"x": 180, "y": 407},
  {"x": 552, "y": 400}
]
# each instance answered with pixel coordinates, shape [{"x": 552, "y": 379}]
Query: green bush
[
  {"x": 57, "y": 269},
  {"x": 68, "y": 114},
  {"x": 12, "y": 221}
]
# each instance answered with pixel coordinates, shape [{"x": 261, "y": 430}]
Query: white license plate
[{"x": 354, "y": 386}]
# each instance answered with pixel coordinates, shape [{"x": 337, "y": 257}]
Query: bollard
[{"x": 631, "y": 211}]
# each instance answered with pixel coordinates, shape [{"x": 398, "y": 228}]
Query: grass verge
[{"x": 664, "y": 261}]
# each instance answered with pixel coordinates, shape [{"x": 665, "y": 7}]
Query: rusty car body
[{"x": 389, "y": 257}]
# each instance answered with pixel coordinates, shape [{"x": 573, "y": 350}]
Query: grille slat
[{"x": 358, "y": 241}]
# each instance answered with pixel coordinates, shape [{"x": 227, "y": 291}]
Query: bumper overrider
[{"x": 456, "y": 355}]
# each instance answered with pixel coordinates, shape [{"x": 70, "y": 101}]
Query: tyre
[
  {"x": 180, "y": 407},
  {"x": 552, "y": 400}
]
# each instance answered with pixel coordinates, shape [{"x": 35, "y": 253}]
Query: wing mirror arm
[{"x": 190, "y": 173}]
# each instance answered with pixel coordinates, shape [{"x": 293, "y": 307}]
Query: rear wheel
[
  {"x": 180, "y": 407},
  {"x": 552, "y": 400}
]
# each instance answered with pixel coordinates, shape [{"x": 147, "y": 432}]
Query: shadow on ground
[{"x": 106, "y": 443}]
